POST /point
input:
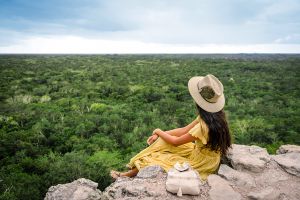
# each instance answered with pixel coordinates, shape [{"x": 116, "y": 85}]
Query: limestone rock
[
  {"x": 81, "y": 189},
  {"x": 150, "y": 172},
  {"x": 252, "y": 158},
  {"x": 220, "y": 189},
  {"x": 265, "y": 194},
  {"x": 290, "y": 162},
  {"x": 149, "y": 184},
  {"x": 288, "y": 148},
  {"x": 248, "y": 173},
  {"x": 236, "y": 177},
  {"x": 272, "y": 175}
]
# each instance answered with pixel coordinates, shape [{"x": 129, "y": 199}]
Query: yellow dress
[{"x": 200, "y": 157}]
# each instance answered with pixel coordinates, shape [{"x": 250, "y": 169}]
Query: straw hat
[{"x": 207, "y": 92}]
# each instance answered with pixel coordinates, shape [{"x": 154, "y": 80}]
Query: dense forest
[{"x": 68, "y": 116}]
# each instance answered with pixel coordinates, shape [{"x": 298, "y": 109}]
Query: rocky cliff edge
[{"x": 247, "y": 172}]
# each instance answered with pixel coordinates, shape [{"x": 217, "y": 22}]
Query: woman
[{"x": 209, "y": 131}]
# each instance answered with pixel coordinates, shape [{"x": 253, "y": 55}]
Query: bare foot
[
  {"x": 128, "y": 166},
  {"x": 115, "y": 174}
]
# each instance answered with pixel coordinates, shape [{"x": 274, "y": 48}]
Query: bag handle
[{"x": 185, "y": 166}]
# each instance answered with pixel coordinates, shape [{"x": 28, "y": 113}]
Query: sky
[{"x": 155, "y": 26}]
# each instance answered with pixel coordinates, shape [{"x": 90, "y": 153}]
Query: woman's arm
[
  {"x": 176, "y": 132},
  {"x": 174, "y": 140},
  {"x": 181, "y": 131}
]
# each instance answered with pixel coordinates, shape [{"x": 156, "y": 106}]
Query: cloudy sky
[{"x": 155, "y": 26}]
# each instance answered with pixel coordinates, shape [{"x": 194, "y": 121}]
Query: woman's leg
[{"x": 131, "y": 173}]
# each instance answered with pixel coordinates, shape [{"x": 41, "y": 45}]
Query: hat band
[{"x": 208, "y": 94}]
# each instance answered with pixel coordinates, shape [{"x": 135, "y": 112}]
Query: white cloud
[
  {"x": 170, "y": 26},
  {"x": 281, "y": 11},
  {"x": 288, "y": 39},
  {"x": 75, "y": 44}
]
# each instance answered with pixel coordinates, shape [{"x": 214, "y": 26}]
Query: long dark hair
[{"x": 219, "y": 134}]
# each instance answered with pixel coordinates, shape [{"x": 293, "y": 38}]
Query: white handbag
[{"x": 182, "y": 179}]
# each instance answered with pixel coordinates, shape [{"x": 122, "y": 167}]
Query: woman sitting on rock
[{"x": 209, "y": 131}]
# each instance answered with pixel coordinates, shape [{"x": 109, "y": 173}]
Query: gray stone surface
[
  {"x": 81, "y": 189},
  {"x": 221, "y": 189},
  {"x": 250, "y": 173},
  {"x": 146, "y": 187},
  {"x": 252, "y": 158},
  {"x": 150, "y": 172},
  {"x": 290, "y": 162},
  {"x": 235, "y": 177},
  {"x": 288, "y": 148},
  {"x": 266, "y": 194}
]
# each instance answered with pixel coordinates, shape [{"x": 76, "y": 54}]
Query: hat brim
[{"x": 209, "y": 107}]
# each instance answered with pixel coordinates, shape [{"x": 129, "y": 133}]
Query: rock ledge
[{"x": 247, "y": 172}]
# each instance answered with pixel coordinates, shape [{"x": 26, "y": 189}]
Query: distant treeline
[{"x": 68, "y": 116}]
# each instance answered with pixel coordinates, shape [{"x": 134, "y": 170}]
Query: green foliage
[
  {"x": 71, "y": 116},
  {"x": 16, "y": 184},
  {"x": 99, "y": 165},
  {"x": 272, "y": 148},
  {"x": 98, "y": 107}
]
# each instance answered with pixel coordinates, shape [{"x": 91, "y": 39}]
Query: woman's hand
[
  {"x": 154, "y": 136},
  {"x": 152, "y": 139},
  {"x": 155, "y": 131}
]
